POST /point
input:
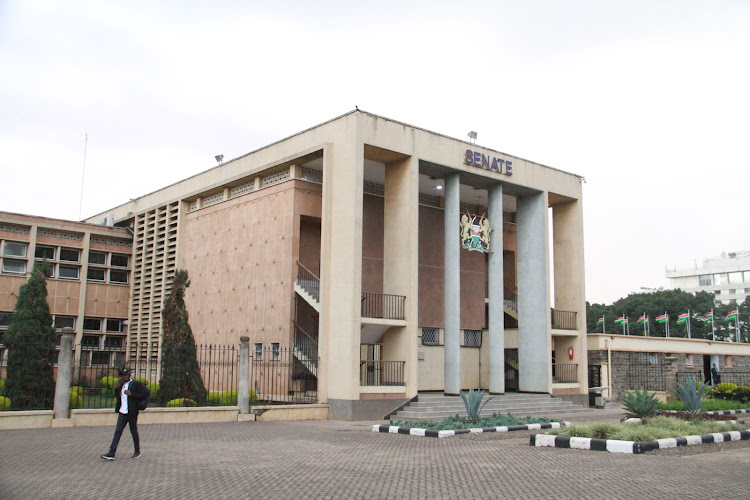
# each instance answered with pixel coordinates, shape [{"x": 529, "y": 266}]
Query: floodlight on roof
[
  {"x": 219, "y": 158},
  {"x": 473, "y": 136}
]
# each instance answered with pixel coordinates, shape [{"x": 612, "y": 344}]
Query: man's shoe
[
  {"x": 137, "y": 454},
  {"x": 108, "y": 456}
]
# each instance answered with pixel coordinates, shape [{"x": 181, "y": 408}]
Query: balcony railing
[
  {"x": 383, "y": 305},
  {"x": 372, "y": 373},
  {"x": 564, "y": 320},
  {"x": 510, "y": 298},
  {"x": 308, "y": 281},
  {"x": 565, "y": 373}
]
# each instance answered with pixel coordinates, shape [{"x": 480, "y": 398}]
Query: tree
[
  {"x": 180, "y": 375},
  {"x": 30, "y": 339}
]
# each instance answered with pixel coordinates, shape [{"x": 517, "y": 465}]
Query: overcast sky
[{"x": 649, "y": 101}]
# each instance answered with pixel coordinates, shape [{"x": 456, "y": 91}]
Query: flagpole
[
  {"x": 713, "y": 325},
  {"x": 665, "y": 312},
  {"x": 604, "y": 325},
  {"x": 737, "y": 326},
  {"x": 688, "y": 322},
  {"x": 627, "y": 322}
]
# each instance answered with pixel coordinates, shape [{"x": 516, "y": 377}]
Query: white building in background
[{"x": 727, "y": 277}]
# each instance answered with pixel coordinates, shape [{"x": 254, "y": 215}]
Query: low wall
[{"x": 204, "y": 414}]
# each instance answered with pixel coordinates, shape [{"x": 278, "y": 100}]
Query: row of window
[
  {"x": 732, "y": 278},
  {"x": 258, "y": 351},
  {"x": 108, "y": 325},
  {"x": 105, "y": 267},
  {"x": 471, "y": 338}
]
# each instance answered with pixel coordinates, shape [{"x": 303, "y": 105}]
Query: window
[
  {"x": 116, "y": 325},
  {"x": 67, "y": 272},
  {"x": 118, "y": 277},
  {"x": 64, "y": 321},
  {"x": 472, "y": 338},
  {"x": 727, "y": 361},
  {"x": 275, "y": 351},
  {"x": 258, "y": 350},
  {"x": 688, "y": 360},
  {"x": 734, "y": 278},
  {"x": 4, "y": 318},
  {"x": 90, "y": 341},
  {"x": 92, "y": 324},
  {"x": 70, "y": 254},
  {"x": 13, "y": 249},
  {"x": 95, "y": 274},
  {"x": 704, "y": 280},
  {"x": 97, "y": 258},
  {"x": 45, "y": 253},
  {"x": 14, "y": 266},
  {"x": 100, "y": 358},
  {"x": 48, "y": 269},
  {"x": 653, "y": 359},
  {"x": 430, "y": 336},
  {"x": 114, "y": 342},
  {"x": 119, "y": 260}
]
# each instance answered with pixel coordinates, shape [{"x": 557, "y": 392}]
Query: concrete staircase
[{"x": 436, "y": 406}]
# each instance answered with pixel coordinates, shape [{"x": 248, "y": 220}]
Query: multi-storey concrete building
[
  {"x": 344, "y": 243},
  {"x": 727, "y": 277},
  {"x": 88, "y": 281}
]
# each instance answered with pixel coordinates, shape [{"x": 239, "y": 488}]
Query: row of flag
[
  {"x": 664, "y": 318},
  {"x": 683, "y": 318}
]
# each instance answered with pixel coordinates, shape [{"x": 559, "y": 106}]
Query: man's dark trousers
[{"x": 122, "y": 421}]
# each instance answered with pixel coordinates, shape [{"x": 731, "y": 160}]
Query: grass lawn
[
  {"x": 708, "y": 405},
  {"x": 654, "y": 428},
  {"x": 456, "y": 422}
]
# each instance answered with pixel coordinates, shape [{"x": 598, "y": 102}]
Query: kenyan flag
[
  {"x": 643, "y": 319},
  {"x": 682, "y": 318},
  {"x": 662, "y": 319},
  {"x": 709, "y": 316},
  {"x": 732, "y": 315},
  {"x": 622, "y": 320},
  {"x": 601, "y": 320}
]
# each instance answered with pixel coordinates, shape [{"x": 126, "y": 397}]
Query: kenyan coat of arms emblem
[{"x": 475, "y": 233}]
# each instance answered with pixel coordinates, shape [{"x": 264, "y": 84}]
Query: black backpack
[{"x": 143, "y": 403}]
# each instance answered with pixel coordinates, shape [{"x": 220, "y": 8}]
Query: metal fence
[
  {"x": 563, "y": 320},
  {"x": 283, "y": 376},
  {"x": 34, "y": 394},
  {"x": 646, "y": 371}
]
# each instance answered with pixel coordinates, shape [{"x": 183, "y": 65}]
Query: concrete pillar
[
  {"x": 64, "y": 374},
  {"x": 496, "y": 292},
  {"x": 452, "y": 290},
  {"x": 243, "y": 389},
  {"x": 534, "y": 343}
]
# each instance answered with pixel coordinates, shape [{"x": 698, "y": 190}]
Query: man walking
[{"x": 128, "y": 393}]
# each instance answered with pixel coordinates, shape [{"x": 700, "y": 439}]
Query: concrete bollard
[
  {"x": 243, "y": 390},
  {"x": 64, "y": 373}
]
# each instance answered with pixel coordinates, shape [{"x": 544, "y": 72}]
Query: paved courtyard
[{"x": 325, "y": 459}]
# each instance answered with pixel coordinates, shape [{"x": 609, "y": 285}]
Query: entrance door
[{"x": 707, "y": 369}]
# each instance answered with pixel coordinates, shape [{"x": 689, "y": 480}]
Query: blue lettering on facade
[{"x": 492, "y": 163}]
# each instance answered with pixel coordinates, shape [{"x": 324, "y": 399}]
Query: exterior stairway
[{"x": 436, "y": 406}]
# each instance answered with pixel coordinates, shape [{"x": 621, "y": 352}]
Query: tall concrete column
[
  {"x": 496, "y": 292},
  {"x": 64, "y": 374},
  {"x": 452, "y": 290},
  {"x": 534, "y": 345},
  {"x": 243, "y": 389}
]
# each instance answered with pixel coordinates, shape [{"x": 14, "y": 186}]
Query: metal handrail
[
  {"x": 511, "y": 298},
  {"x": 383, "y": 305},
  {"x": 374, "y": 373},
  {"x": 308, "y": 280}
]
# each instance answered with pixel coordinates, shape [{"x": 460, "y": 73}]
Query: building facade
[
  {"x": 88, "y": 280},
  {"x": 343, "y": 243},
  {"x": 727, "y": 277}
]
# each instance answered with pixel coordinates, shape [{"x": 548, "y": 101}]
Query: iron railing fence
[
  {"x": 595, "y": 380},
  {"x": 279, "y": 376},
  {"x": 511, "y": 298},
  {"x": 683, "y": 376},
  {"x": 564, "y": 320},
  {"x": 564, "y": 373},
  {"x": 739, "y": 378},
  {"x": 306, "y": 348},
  {"x": 645, "y": 371},
  {"x": 511, "y": 369},
  {"x": 372, "y": 373},
  {"x": 308, "y": 281},
  {"x": 383, "y": 305}
]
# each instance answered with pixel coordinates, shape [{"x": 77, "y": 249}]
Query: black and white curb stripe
[
  {"x": 615, "y": 446},
  {"x": 717, "y": 412},
  {"x": 413, "y": 431}
]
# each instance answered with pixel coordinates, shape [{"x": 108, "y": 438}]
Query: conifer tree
[
  {"x": 30, "y": 339},
  {"x": 180, "y": 376}
]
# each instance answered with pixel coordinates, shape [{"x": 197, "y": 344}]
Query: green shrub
[
  {"x": 457, "y": 422},
  {"x": 75, "y": 397},
  {"x": 253, "y": 397},
  {"x": 640, "y": 404},
  {"x": 142, "y": 380},
  {"x": 741, "y": 394},
  {"x": 692, "y": 393},
  {"x": 656, "y": 428},
  {"x": 672, "y": 405},
  {"x": 473, "y": 404},
  {"x": 720, "y": 405},
  {"x": 180, "y": 403},
  {"x": 109, "y": 382},
  {"x": 226, "y": 398},
  {"x": 723, "y": 390},
  {"x": 4, "y": 403},
  {"x": 2, "y": 386},
  {"x": 154, "y": 388}
]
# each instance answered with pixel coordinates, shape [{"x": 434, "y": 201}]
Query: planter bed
[{"x": 414, "y": 431}]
